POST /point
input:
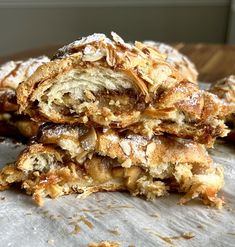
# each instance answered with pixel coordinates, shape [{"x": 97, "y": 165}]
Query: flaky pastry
[
  {"x": 11, "y": 75},
  {"x": 68, "y": 159},
  {"x": 14, "y": 72},
  {"x": 108, "y": 83},
  {"x": 225, "y": 90},
  {"x": 181, "y": 62}
]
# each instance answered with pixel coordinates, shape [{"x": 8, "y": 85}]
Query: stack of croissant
[{"x": 106, "y": 115}]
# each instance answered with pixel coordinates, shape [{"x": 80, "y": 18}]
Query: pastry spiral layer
[
  {"x": 108, "y": 83},
  {"x": 75, "y": 159}
]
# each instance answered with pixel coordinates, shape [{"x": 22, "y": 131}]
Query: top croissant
[{"x": 109, "y": 83}]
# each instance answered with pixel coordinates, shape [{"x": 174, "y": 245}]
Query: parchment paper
[{"x": 70, "y": 221}]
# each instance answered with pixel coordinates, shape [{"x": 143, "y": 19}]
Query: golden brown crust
[
  {"x": 12, "y": 74},
  {"x": 99, "y": 82},
  {"x": 138, "y": 61},
  {"x": 105, "y": 175},
  {"x": 225, "y": 90},
  {"x": 182, "y": 63},
  {"x": 125, "y": 147},
  {"x": 207, "y": 185},
  {"x": 34, "y": 149},
  {"x": 112, "y": 162},
  {"x": 10, "y": 174}
]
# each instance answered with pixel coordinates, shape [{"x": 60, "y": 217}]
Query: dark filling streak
[
  {"x": 103, "y": 97},
  {"x": 230, "y": 124}
]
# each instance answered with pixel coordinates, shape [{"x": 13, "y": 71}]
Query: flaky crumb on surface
[{"x": 105, "y": 244}]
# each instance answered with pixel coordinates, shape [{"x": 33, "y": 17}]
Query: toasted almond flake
[
  {"x": 150, "y": 148},
  {"x": 140, "y": 84},
  {"x": 85, "y": 119},
  {"x": 89, "y": 95},
  {"x": 126, "y": 148},
  {"x": 127, "y": 163}
]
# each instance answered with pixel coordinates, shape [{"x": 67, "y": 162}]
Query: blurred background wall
[{"x": 27, "y": 24}]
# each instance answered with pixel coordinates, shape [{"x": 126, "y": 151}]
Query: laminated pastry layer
[
  {"x": 181, "y": 62},
  {"x": 74, "y": 159},
  {"x": 11, "y": 75},
  {"x": 108, "y": 83},
  {"x": 225, "y": 90}
]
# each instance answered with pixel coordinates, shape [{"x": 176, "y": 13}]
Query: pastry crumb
[
  {"x": 115, "y": 231},
  {"x": 104, "y": 244},
  {"x": 200, "y": 226},
  {"x": 51, "y": 241},
  {"x": 188, "y": 235},
  {"x": 76, "y": 229},
  {"x": 155, "y": 215}
]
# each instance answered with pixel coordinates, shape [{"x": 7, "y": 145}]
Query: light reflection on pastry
[
  {"x": 76, "y": 159},
  {"x": 181, "y": 62},
  {"x": 108, "y": 83}
]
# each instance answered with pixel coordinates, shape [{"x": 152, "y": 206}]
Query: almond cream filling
[
  {"x": 75, "y": 93},
  {"x": 42, "y": 176},
  {"x": 78, "y": 86},
  {"x": 79, "y": 159}
]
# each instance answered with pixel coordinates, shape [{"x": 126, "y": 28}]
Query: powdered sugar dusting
[
  {"x": 6, "y": 68},
  {"x": 113, "y": 138},
  {"x": 175, "y": 58},
  {"x": 138, "y": 145},
  {"x": 194, "y": 99},
  {"x": 140, "y": 140},
  {"x": 67, "y": 49},
  {"x": 14, "y": 72},
  {"x": 225, "y": 88}
]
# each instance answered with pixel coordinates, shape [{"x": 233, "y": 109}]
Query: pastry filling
[
  {"x": 108, "y": 98},
  {"x": 81, "y": 160}
]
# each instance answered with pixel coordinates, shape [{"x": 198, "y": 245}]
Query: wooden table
[{"x": 212, "y": 61}]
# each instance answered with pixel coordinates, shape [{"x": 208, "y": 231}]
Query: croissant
[
  {"x": 181, "y": 62},
  {"x": 108, "y": 83},
  {"x": 12, "y": 74},
  {"x": 225, "y": 90},
  {"x": 68, "y": 159}
]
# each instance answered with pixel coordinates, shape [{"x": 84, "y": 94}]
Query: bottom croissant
[{"x": 93, "y": 161}]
